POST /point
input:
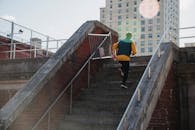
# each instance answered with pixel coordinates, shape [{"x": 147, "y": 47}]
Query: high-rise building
[{"x": 124, "y": 16}]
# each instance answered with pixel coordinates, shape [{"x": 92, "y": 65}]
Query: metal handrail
[
  {"x": 26, "y": 28},
  {"x": 137, "y": 94},
  {"x": 70, "y": 84},
  {"x": 187, "y": 27},
  {"x": 29, "y": 32}
]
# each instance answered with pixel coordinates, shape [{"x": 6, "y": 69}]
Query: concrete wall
[
  {"x": 20, "y": 68},
  {"x": 186, "y": 83}
]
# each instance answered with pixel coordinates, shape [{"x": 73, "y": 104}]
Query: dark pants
[{"x": 125, "y": 69}]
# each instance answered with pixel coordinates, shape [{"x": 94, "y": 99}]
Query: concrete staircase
[{"x": 101, "y": 106}]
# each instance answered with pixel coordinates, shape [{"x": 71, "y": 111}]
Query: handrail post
[
  {"x": 14, "y": 50},
  {"x": 139, "y": 94},
  {"x": 149, "y": 72},
  {"x": 35, "y": 51},
  {"x": 170, "y": 37},
  {"x": 47, "y": 46},
  {"x": 89, "y": 67},
  {"x": 48, "y": 123},
  {"x": 57, "y": 44},
  {"x": 110, "y": 46},
  {"x": 71, "y": 98},
  {"x": 31, "y": 33},
  {"x": 159, "y": 51},
  {"x": 12, "y": 36}
]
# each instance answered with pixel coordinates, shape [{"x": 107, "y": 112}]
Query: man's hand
[{"x": 114, "y": 57}]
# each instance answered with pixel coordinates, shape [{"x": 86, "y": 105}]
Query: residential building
[{"x": 123, "y": 16}]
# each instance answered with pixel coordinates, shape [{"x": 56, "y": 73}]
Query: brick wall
[{"x": 166, "y": 114}]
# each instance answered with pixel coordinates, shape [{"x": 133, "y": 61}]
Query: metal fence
[
  {"x": 17, "y": 35},
  {"x": 187, "y": 36}
]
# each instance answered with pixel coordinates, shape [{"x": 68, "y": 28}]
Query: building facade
[{"x": 123, "y": 16}]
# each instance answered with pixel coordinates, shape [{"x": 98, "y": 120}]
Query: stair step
[
  {"x": 101, "y": 106},
  {"x": 103, "y": 99},
  {"x": 96, "y": 119},
  {"x": 91, "y": 111},
  {"x": 79, "y": 126}
]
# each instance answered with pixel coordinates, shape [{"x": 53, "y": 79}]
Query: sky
[{"x": 61, "y": 18}]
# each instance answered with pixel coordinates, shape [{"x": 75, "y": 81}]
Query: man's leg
[{"x": 125, "y": 69}]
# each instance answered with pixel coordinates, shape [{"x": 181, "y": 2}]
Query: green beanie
[{"x": 129, "y": 35}]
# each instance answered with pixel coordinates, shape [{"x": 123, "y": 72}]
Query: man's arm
[
  {"x": 114, "y": 49},
  {"x": 133, "y": 47}
]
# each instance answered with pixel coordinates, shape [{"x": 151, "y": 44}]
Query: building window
[
  {"x": 119, "y": 11},
  {"x": 135, "y": 9},
  {"x": 158, "y": 13},
  {"x": 110, "y": 6},
  {"x": 134, "y": 16},
  {"x": 149, "y": 28},
  {"x": 127, "y": 4},
  {"x": 119, "y": 5},
  {"x": 158, "y": 20},
  {"x": 142, "y": 22},
  {"x": 158, "y": 35},
  {"x": 119, "y": 29},
  {"x": 158, "y": 41},
  {"x": 134, "y": 23},
  {"x": 149, "y": 35},
  {"x": 142, "y": 50},
  {"x": 119, "y": 17},
  {"x": 142, "y": 36},
  {"x": 119, "y": 22},
  {"x": 110, "y": 12},
  {"x": 142, "y": 29},
  {"x": 127, "y": 16},
  {"x": 134, "y": 30},
  {"x": 158, "y": 27},
  {"x": 127, "y": 22},
  {"x": 142, "y": 43},
  {"x": 135, "y": 2},
  {"x": 127, "y": 29},
  {"x": 127, "y": 10},
  {"x": 150, "y": 49},
  {"x": 150, "y": 21},
  {"x": 150, "y": 42}
]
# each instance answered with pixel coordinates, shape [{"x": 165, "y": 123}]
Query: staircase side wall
[
  {"x": 175, "y": 107},
  {"x": 27, "y": 106},
  {"x": 166, "y": 113}
]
